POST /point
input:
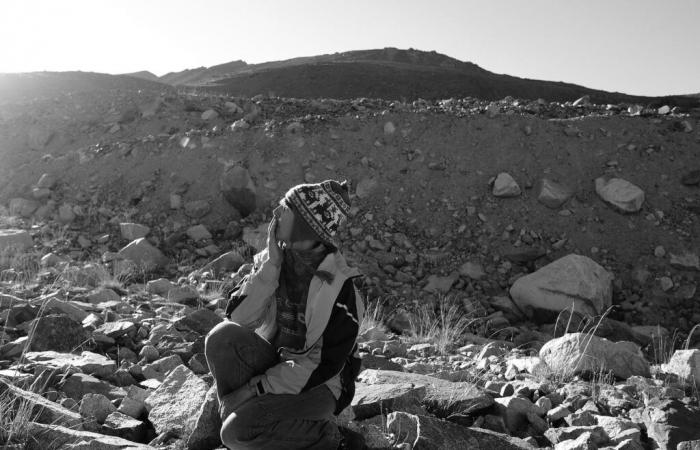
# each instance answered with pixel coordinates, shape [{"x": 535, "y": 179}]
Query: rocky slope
[{"x": 503, "y": 224}]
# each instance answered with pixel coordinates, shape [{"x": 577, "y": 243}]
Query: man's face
[{"x": 285, "y": 221}]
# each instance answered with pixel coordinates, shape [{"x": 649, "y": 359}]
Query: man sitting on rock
[{"x": 287, "y": 359}]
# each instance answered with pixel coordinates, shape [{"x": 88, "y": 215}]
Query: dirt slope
[{"x": 120, "y": 152}]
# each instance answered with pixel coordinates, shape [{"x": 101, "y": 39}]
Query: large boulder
[
  {"x": 620, "y": 193},
  {"x": 16, "y": 240},
  {"x": 239, "y": 190},
  {"x": 56, "y": 332},
  {"x": 573, "y": 279},
  {"x": 429, "y": 433},
  {"x": 577, "y": 353},
  {"x": 176, "y": 404},
  {"x": 668, "y": 422},
  {"x": 686, "y": 365},
  {"x": 143, "y": 254},
  {"x": 205, "y": 434}
]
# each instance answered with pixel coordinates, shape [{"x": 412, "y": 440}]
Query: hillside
[
  {"x": 390, "y": 74},
  {"x": 530, "y": 269}
]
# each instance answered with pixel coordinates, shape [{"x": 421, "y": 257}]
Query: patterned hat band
[{"x": 322, "y": 207}]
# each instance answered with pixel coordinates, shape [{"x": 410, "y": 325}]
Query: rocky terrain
[{"x": 530, "y": 267}]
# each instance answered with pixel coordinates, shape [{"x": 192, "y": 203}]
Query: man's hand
[
  {"x": 231, "y": 402},
  {"x": 273, "y": 249}
]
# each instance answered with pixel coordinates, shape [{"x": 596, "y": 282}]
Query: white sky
[{"x": 644, "y": 47}]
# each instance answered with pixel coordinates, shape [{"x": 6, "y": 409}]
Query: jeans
[{"x": 272, "y": 421}]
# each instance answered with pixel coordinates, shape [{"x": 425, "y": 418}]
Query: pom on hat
[{"x": 323, "y": 206}]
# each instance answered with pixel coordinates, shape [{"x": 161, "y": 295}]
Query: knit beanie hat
[{"x": 322, "y": 207}]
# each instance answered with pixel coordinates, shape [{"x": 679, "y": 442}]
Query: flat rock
[
  {"x": 67, "y": 308},
  {"x": 577, "y": 353},
  {"x": 373, "y": 400},
  {"x": 79, "y": 384},
  {"x": 686, "y": 365},
  {"x": 123, "y": 426},
  {"x": 685, "y": 260},
  {"x": 54, "y": 436},
  {"x": 196, "y": 209},
  {"x": 438, "y": 284},
  {"x": 87, "y": 362},
  {"x": 370, "y": 361},
  {"x": 561, "y": 434},
  {"x": 42, "y": 410},
  {"x": 116, "y": 329},
  {"x": 200, "y": 321},
  {"x": 143, "y": 254},
  {"x": 160, "y": 368},
  {"x": 447, "y": 396},
  {"x": 133, "y": 231},
  {"x": 620, "y": 193},
  {"x": 17, "y": 240},
  {"x": 572, "y": 279},
  {"x": 472, "y": 270},
  {"x": 428, "y": 433},
  {"x": 198, "y": 233},
  {"x": 103, "y": 295},
  {"x": 176, "y": 403}
]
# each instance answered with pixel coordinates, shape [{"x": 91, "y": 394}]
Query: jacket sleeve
[
  {"x": 249, "y": 303},
  {"x": 301, "y": 371}
]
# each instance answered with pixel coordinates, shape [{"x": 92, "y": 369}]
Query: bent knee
[
  {"x": 237, "y": 429},
  {"x": 223, "y": 336}
]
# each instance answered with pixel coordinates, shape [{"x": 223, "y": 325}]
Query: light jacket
[{"x": 333, "y": 315}]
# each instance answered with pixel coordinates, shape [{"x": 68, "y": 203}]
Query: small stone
[
  {"x": 96, "y": 407},
  {"x": 210, "y": 114},
  {"x": 659, "y": 251},
  {"x": 505, "y": 186},
  {"x": 620, "y": 193},
  {"x": 666, "y": 283},
  {"x": 149, "y": 353},
  {"x": 198, "y": 233}
]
